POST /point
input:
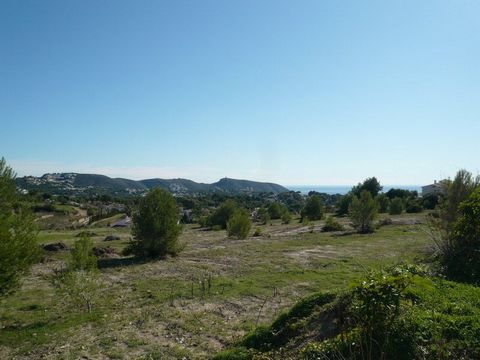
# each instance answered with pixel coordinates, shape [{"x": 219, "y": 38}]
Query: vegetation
[
  {"x": 363, "y": 211},
  {"x": 239, "y": 224},
  {"x": 156, "y": 226},
  {"x": 331, "y": 224},
  {"x": 314, "y": 208},
  {"x": 372, "y": 185},
  {"x": 78, "y": 285},
  {"x": 221, "y": 216},
  {"x": 396, "y": 206},
  {"x": 18, "y": 234},
  {"x": 396, "y": 313},
  {"x": 383, "y": 203},
  {"x": 460, "y": 255}
]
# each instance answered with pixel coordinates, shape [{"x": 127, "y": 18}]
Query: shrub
[
  {"x": 156, "y": 226},
  {"x": 314, "y": 208},
  {"x": 264, "y": 216},
  {"x": 82, "y": 257},
  {"x": 79, "y": 285},
  {"x": 460, "y": 254},
  {"x": 413, "y": 206},
  {"x": 343, "y": 204},
  {"x": 223, "y": 213},
  {"x": 396, "y": 206},
  {"x": 18, "y": 234},
  {"x": 383, "y": 203},
  {"x": 286, "y": 217},
  {"x": 331, "y": 224},
  {"x": 275, "y": 210},
  {"x": 363, "y": 211},
  {"x": 430, "y": 201},
  {"x": 239, "y": 225}
]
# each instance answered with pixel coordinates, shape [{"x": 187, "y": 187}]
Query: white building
[{"x": 437, "y": 188}]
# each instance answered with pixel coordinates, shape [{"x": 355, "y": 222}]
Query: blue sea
[{"x": 343, "y": 189}]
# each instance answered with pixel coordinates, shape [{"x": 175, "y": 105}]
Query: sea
[{"x": 343, "y": 189}]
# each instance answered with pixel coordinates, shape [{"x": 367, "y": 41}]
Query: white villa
[{"x": 438, "y": 187}]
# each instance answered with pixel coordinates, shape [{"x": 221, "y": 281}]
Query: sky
[{"x": 293, "y": 92}]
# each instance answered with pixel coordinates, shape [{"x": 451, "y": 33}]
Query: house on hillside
[{"x": 437, "y": 188}]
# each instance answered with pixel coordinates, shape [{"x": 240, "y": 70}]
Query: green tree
[
  {"x": 460, "y": 255},
  {"x": 363, "y": 211},
  {"x": 371, "y": 185},
  {"x": 286, "y": 217},
  {"x": 314, "y": 208},
  {"x": 156, "y": 226},
  {"x": 457, "y": 191},
  {"x": 263, "y": 216},
  {"x": 18, "y": 234},
  {"x": 396, "y": 206},
  {"x": 239, "y": 224},
  {"x": 383, "y": 203},
  {"x": 344, "y": 203},
  {"x": 223, "y": 213},
  {"x": 276, "y": 210}
]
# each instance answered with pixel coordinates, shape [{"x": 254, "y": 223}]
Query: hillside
[{"x": 73, "y": 183}]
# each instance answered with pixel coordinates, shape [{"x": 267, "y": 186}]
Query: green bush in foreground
[
  {"x": 460, "y": 257},
  {"x": 78, "y": 286},
  {"x": 18, "y": 234},
  {"x": 398, "y": 313},
  {"x": 239, "y": 225}
]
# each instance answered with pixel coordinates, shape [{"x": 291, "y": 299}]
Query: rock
[
  {"x": 104, "y": 252},
  {"x": 60, "y": 246},
  {"x": 111, "y": 238}
]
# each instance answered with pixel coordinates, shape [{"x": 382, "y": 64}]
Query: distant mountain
[{"x": 73, "y": 183}]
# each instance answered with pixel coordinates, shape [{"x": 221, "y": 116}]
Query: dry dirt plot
[{"x": 198, "y": 303}]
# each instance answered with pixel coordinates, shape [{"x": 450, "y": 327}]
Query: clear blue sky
[{"x": 295, "y": 92}]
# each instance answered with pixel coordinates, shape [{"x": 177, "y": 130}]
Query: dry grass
[{"x": 196, "y": 304}]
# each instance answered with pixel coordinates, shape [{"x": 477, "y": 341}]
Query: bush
[
  {"x": 413, "y": 206},
  {"x": 156, "y": 226},
  {"x": 460, "y": 255},
  {"x": 286, "y": 217},
  {"x": 331, "y": 224},
  {"x": 430, "y": 201},
  {"x": 82, "y": 257},
  {"x": 18, "y": 234},
  {"x": 343, "y": 204},
  {"x": 314, "y": 208},
  {"x": 383, "y": 203},
  {"x": 263, "y": 216},
  {"x": 239, "y": 225},
  {"x": 276, "y": 210},
  {"x": 223, "y": 213},
  {"x": 396, "y": 206},
  {"x": 363, "y": 211},
  {"x": 79, "y": 285}
]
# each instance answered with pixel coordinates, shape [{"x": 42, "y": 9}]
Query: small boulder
[
  {"x": 54, "y": 247},
  {"x": 111, "y": 238}
]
